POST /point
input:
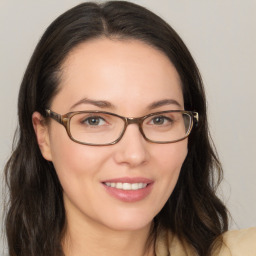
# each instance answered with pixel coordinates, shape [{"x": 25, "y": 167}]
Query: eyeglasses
[{"x": 99, "y": 128}]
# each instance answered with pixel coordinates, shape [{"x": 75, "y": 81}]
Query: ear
[{"x": 42, "y": 134}]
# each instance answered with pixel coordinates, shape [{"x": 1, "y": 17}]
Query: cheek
[
  {"x": 169, "y": 161},
  {"x": 73, "y": 161},
  {"x": 171, "y": 156}
]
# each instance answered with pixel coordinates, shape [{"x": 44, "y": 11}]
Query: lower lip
[{"x": 129, "y": 195}]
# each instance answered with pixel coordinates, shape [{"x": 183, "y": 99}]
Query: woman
[{"x": 113, "y": 154}]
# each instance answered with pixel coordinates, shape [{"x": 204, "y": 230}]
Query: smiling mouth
[{"x": 126, "y": 186}]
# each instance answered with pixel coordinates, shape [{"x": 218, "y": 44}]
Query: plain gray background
[{"x": 221, "y": 36}]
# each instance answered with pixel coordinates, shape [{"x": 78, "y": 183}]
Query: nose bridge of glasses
[
  {"x": 137, "y": 121},
  {"x": 134, "y": 120}
]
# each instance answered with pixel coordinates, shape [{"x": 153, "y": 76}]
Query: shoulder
[
  {"x": 239, "y": 243},
  {"x": 234, "y": 243}
]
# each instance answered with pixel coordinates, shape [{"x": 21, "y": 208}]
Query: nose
[{"x": 132, "y": 149}]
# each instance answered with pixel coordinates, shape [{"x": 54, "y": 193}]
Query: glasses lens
[
  {"x": 96, "y": 128},
  {"x": 167, "y": 127}
]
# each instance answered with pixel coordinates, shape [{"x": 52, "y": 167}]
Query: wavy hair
[{"x": 35, "y": 221}]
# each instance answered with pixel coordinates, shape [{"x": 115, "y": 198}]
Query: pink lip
[{"x": 129, "y": 195}]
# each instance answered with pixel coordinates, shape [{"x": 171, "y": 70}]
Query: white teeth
[
  {"x": 126, "y": 186},
  {"x": 135, "y": 186},
  {"x": 119, "y": 185}
]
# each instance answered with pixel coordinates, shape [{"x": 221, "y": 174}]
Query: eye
[
  {"x": 160, "y": 120},
  {"x": 94, "y": 121}
]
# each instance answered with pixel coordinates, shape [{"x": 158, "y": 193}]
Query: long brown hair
[{"x": 35, "y": 219}]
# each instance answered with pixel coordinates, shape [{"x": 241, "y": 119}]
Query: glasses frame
[{"x": 65, "y": 121}]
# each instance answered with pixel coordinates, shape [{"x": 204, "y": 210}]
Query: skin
[{"x": 131, "y": 76}]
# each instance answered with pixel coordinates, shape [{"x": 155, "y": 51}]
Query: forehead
[{"x": 123, "y": 72}]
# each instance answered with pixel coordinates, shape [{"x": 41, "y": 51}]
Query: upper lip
[{"x": 129, "y": 180}]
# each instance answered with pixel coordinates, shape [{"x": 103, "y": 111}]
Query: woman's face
[{"x": 131, "y": 79}]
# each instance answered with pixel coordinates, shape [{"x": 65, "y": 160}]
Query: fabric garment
[{"x": 235, "y": 243}]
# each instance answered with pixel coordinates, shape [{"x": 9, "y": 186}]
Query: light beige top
[{"x": 235, "y": 243}]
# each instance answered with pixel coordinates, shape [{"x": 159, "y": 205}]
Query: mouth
[
  {"x": 126, "y": 186},
  {"x": 129, "y": 189}
]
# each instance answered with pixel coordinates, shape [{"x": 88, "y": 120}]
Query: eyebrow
[
  {"x": 164, "y": 102},
  {"x": 97, "y": 103},
  {"x": 107, "y": 104}
]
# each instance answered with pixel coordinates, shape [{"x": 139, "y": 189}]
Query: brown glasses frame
[{"x": 65, "y": 121}]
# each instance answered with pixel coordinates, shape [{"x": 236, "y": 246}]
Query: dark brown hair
[{"x": 35, "y": 219}]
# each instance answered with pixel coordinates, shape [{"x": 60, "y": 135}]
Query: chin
[{"x": 129, "y": 222}]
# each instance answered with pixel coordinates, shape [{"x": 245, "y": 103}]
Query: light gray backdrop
[{"x": 222, "y": 38}]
